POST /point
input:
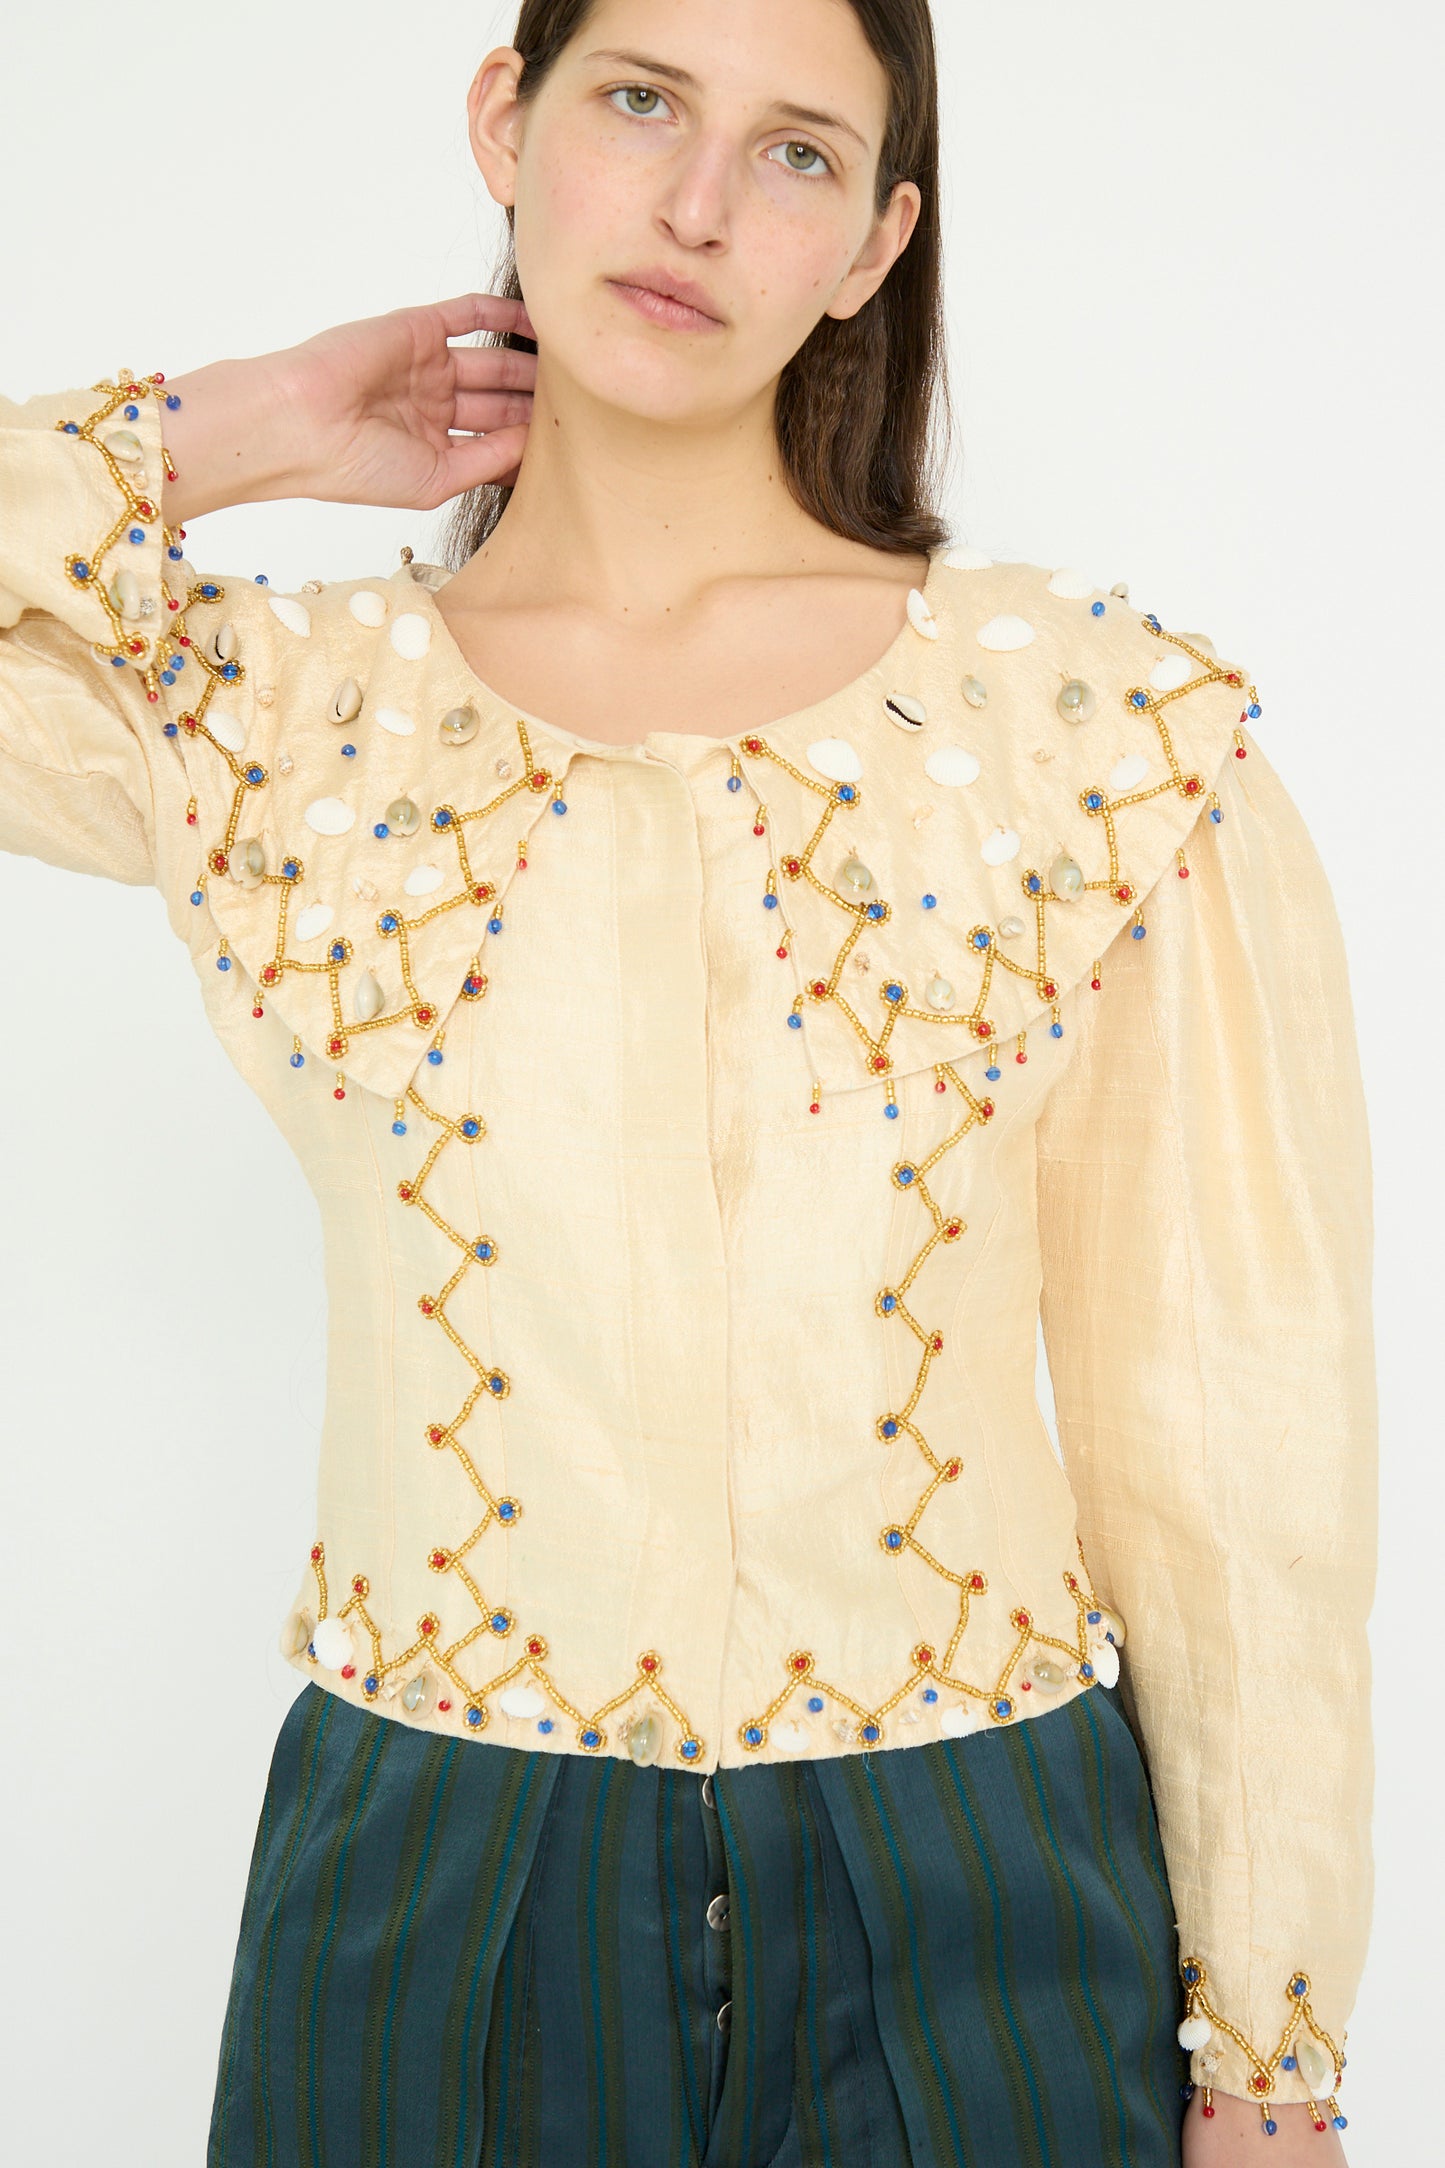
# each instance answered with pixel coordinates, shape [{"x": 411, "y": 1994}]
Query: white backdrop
[{"x": 1195, "y": 347}]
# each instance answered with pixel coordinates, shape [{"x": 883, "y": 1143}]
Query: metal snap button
[
  {"x": 707, "y": 1789},
  {"x": 717, "y": 1911},
  {"x": 722, "y": 2016}
]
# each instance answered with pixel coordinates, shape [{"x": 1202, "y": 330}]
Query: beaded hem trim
[
  {"x": 1304, "y": 2047},
  {"x": 1091, "y": 1649}
]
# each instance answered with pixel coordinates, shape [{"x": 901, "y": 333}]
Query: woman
[{"x": 696, "y": 944}]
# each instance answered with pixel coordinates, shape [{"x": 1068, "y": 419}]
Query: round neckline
[{"x": 815, "y": 712}]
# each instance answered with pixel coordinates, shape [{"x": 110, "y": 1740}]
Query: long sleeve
[
  {"x": 1205, "y": 1200},
  {"x": 85, "y": 613}
]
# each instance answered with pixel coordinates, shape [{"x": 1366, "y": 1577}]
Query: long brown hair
[{"x": 862, "y": 415}]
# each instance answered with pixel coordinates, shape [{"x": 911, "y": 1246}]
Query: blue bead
[
  {"x": 890, "y": 1110},
  {"x": 753, "y": 1735},
  {"x": 770, "y": 903},
  {"x": 1094, "y": 799},
  {"x": 1216, "y": 813},
  {"x": 870, "y": 1732},
  {"x": 1191, "y": 1974},
  {"x": 482, "y": 1250},
  {"x": 338, "y": 953},
  {"x": 209, "y": 591},
  {"x": 589, "y": 1737},
  {"x": 929, "y": 902},
  {"x": 890, "y": 1427},
  {"x": 291, "y": 868},
  {"x": 1152, "y": 621},
  {"x": 1288, "y": 2063},
  {"x": 689, "y": 1750},
  {"x": 80, "y": 568},
  {"x": 890, "y": 1304},
  {"x": 136, "y": 534},
  {"x": 381, "y": 829},
  {"x": 311, "y": 1648},
  {"x": 795, "y": 1022},
  {"x": 174, "y": 554},
  {"x": 1093, "y": 1617},
  {"x": 1139, "y": 932},
  {"x": 230, "y": 669},
  {"x": 735, "y": 782},
  {"x": 993, "y": 1075},
  {"x": 1086, "y": 1671},
  {"x": 1098, "y": 609},
  {"x": 1298, "y": 1988},
  {"x": 72, "y": 429},
  {"x": 893, "y": 1541},
  {"x": 847, "y": 793},
  {"x": 893, "y": 991},
  {"x": 1253, "y": 711},
  {"x": 369, "y": 1682},
  {"x": 1139, "y": 700},
  {"x": 398, "y": 1129},
  {"x": 1033, "y": 884},
  {"x": 1270, "y": 2126},
  {"x": 168, "y": 677},
  {"x": 907, "y": 1175},
  {"x": 545, "y": 1724},
  {"x": 559, "y": 805},
  {"x": 132, "y": 413},
  {"x": 434, "y": 1056},
  {"x": 298, "y": 1061},
  {"x": 982, "y": 939},
  {"x": 471, "y": 1127},
  {"x": 178, "y": 662},
  {"x": 1341, "y": 2122},
  {"x": 1004, "y": 1708},
  {"x": 499, "y": 1622},
  {"x": 1186, "y": 2090},
  {"x": 119, "y": 661},
  {"x": 223, "y": 963},
  {"x": 815, "y": 1702},
  {"x": 494, "y": 925},
  {"x": 173, "y": 400},
  {"x": 441, "y": 818},
  {"x": 474, "y": 1717},
  {"x": 496, "y": 1385},
  {"x": 261, "y": 580},
  {"x": 506, "y": 1511},
  {"x": 388, "y": 922},
  {"x": 1056, "y": 1031},
  {"x": 195, "y": 895},
  {"x": 930, "y": 1693},
  {"x": 348, "y": 752}
]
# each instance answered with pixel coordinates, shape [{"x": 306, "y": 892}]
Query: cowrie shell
[{"x": 903, "y": 709}]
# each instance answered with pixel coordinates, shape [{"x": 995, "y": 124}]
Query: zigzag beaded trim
[{"x": 1304, "y": 2046}]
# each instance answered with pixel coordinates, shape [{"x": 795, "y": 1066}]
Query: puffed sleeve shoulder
[
  {"x": 1205, "y": 1207},
  {"x": 103, "y": 688}
]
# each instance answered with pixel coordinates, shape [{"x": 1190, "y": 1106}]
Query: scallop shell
[
  {"x": 333, "y": 1643},
  {"x": 1127, "y": 772},
  {"x": 411, "y": 634},
  {"x": 423, "y": 880},
  {"x": 967, "y": 560},
  {"x": 792, "y": 1738},
  {"x": 367, "y": 606},
  {"x": 920, "y": 614},
  {"x": 1172, "y": 671},
  {"x": 903, "y": 709},
  {"x": 1074, "y": 586},
  {"x": 1001, "y": 635},
  {"x": 521, "y": 1701},
  {"x": 396, "y": 720},
  {"x": 313, "y": 920},
  {"x": 1000, "y": 846},
  {"x": 957, "y": 1720},
  {"x": 294, "y": 615},
  {"x": 836, "y": 758},
  {"x": 226, "y": 729},
  {"x": 952, "y": 765},
  {"x": 1194, "y": 2032},
  {"x": 329, "y": 816}
]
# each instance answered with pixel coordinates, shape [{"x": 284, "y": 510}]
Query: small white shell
[
  {"x": 952, "y": 765},
  {"x": 1000, "y": 846},
  {"x": 367, "y": 606},
  {"x": 957, "y": 1720},
  {"x": 1105, "y": 1659},
  {"x": 313, "y": 920},
  {"x": 903, "y": 709},
  {"x": 1127, "y": 772},
  {"x": 333, "y": 1643},
  {"x": 294, "y": 615},
  {"x": 793, "y": 1738},
  {"x": 836, "y": 758},
  {"x": 1172, "y": 671},
  {"x": 329, "y": 816},
  {"x": 939, "y": 993},
  {"x": 1074, "y": 586},
  {"x": 423, "y": 880},
  {"x": 920, "y": 616},
  {"x": 124, "y": 445},
  {"x": 225, "y": 729},
  {"x": 1194, "y": 2032},
  {"x": 369, "y": 998},
  {"x": 521, "y": 1701},
  {"x": 1010, "y": 928},
  {"x": 1003, "y": 634},
  {"x": 411, "y": 634},
  {"x": 396, "y": 720},
  {"x": 967, "y": 560}
]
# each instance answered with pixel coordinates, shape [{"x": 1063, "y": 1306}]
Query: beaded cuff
[{"x": 1304, "y": 2048}]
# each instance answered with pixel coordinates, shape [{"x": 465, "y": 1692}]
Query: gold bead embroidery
[{"x": 1263, "y": 2069}]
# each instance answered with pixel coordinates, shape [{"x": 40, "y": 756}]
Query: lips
[{"x": 660, "y": 284}]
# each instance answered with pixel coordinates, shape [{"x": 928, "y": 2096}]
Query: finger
[
  {"x": 479, "y": 412},
  {"x": 468, "y": 462},
  {"x": 494, "y": 368},
  {"x": 476, "y": 312}
]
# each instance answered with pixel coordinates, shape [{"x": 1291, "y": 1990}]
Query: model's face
[{"x": 668, "y": 142}]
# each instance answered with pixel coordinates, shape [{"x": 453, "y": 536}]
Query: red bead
[
  {"x": 428, "y": 1626},
  {"x": 937, "y": 1343},
  {"x": 133, "y": 390},
  {"x": 190, "y": 817},
  {"x": 172, "y": 604},
  {"x": 986, "y": 1109},
  {"x": 975, "y": 1580},
  {"x": 183, "y": 639},
  {"x": 1021, "y": 1056},
  {"x": 1318, "y": 2124},
  {"x": 316, "y": 1554},
  {"x": 171, "y": 475},
  {"x": 258, "y": 1012},
  {"x": 800, "y": 1663},
  {"x": 157, "y": 376},
  {"x": 348, "y": 1671},
  {"x": 782, "y": 952},
  {"x": 340, "y": 1092},
  {"x": 1096, "y": 984},
  {"x": 1239, "y": 752},
  {"x": 443, "y": 1706},
  {"x": 951, "y": 1470},
  {"x": 521, "y": 865},
  {"x": 1260, "y": 2084},
  {"x": 1209, "y": 2110},
  {"x": 649, "y": 1663},
  {"x": 534, "y": 1646},
  {"x": 758, "y": 828},
  {"x": 152, "y": 696},
  {"x": 136, "y": 647},
  {"x": 1025, "y": 1686},
  {"x": 940, "y": 1085},
  {"x": 439, "y": 1559},
  {"x": 880, "y": 1062},
  {"x": 814, "y": 1108},
  {"x": 1183, "y": 873}
]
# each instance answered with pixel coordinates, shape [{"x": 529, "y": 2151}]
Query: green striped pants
[{"x": 458, "y": 1954}]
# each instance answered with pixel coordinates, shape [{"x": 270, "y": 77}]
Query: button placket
[{"x": 717, "y": 1941}]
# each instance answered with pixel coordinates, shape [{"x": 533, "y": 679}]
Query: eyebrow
[{"x": 808, "y": 115}]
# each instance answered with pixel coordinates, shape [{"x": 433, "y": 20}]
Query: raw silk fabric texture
[
  {"x": 953, "y": 1957},
  {"x": 686, "y": 1230}
]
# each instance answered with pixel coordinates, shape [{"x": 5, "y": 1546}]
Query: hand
[
  {"x": 1235, "y": 2137},
  {"x": 379, "y": 411}
]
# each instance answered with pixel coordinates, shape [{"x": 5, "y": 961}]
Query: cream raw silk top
[{"x": 698, "y": 1127}]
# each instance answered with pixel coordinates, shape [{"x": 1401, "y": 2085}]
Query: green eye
[
  {"x": 638, "y": 90},
  {"x": 809, "y": 150}
]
